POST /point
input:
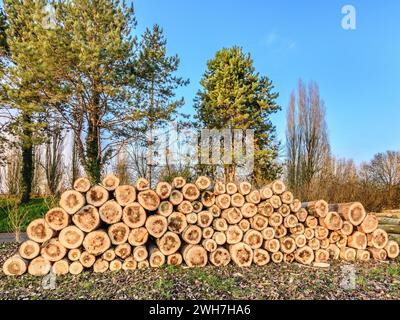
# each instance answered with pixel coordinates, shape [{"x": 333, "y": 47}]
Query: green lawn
[{"x": 36, "y": 208}]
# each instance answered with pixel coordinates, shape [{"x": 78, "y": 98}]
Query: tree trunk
[
  {"x": 304, "y": 255},
  {"x": 53, "y": 250},
  {"x": 115, "y": 265},
  {"x": 71, "y": 201},
  {"x": 86, "y": 259},
  {"x": 96, "y": 242},
  {"x": 244, "y": 225},
  {"x": 27, "y": 168},
  {"x": 277, "y": 257},
  {"x": 220, "y": 257},
  {"x": 149, "y": 200},
  {"x": 82, "y": 184},
  {"x": 138, "y": 236},
  {"x": 57, "y": 218},
  {"x": 245, "y": 188},
  {"x": 157, "y": 258},
  {"x": 29, "y": 249},
  {"x": 74, "y": 254},
  {"x": 357, "y": 240},
  {"x": 165, "y": 208},
  {"x": 392, "y": 249},
  {"x": 175, "y": 259},
  {"x": 110, "y": 182},
  {"x": 129, "y": 264},
  {"x": 123, "y": 250},
  {"x": 125, "y": 195},
  {"x": 219, "y": 237},
  {"x": 14, "y": 266},
  {"x": 203, "y": 183},
  {"x": 190, "y": 192},
  {"x": 109, "y": 255},
  {"x": 195, "y": 256},
  {"x": 140, "y": 253},
  {"x": 87, "y": 219},
  {"x": 204, "y": 219},
  {"x": 185, "y": 207},
  {"x": 192, "y": 235},
  {"x": 253, "y": 238},
  {"x": 317, "y": 208},
  {"x": 369, "y": 224},
  {"x": 210, "y": 245},
  {"x": 163, "y": 190},
  {"x": 118, "y": 233},
  {"x": 134, "y": 215},
  {"x": 378, "y": 254},
  {"x": 110, "y": 212},
  {"x": 39, "y": 231},
  {"x": 363, "y": 255},
  {"x": 176, "y": 222},
  {"x": 169, "y": 243},
  {"x": 378, "y": 239},
  {"x": 93, "y": 161},
  {"x": 97, "y": 196},
  {"x": 178, "y": 182},
  {"x": 191, "y": 218},
  {"x": 100, "y": 266},
  {"x": 390, "y": 228},
  {"x": 353, "y": 212},
  {"x": 39, "y": 266},
  {"x": 268, "y": 233},
  {"x": 261, "y": 257},
  {"x": 241, "y": 254},
  {"x": 60, "y": 268}
]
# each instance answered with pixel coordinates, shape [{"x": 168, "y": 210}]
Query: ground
[{"x": 375, "y": 280}]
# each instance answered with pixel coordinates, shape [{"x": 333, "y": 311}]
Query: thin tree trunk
[{"x": 27, "y": 161}]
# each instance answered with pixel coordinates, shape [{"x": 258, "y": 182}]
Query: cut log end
[
  {"x": 71, "y": 201},
  {"x": 110, "y": 182},
  {"x": 14, "y": 266},
  {"x": 96, "y": 196},
  {"x": 82, "y": 184}
]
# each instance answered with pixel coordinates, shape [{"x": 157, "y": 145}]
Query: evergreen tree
[
  {"x": 235, "y": 96},
  {"x": 84, "y": 66},
  {"x": 20, "y": 87},
  {"x": 155, "y": 84}
]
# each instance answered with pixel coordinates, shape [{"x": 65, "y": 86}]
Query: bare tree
[
  {"x": 306, "y": 138},
  {"x": 13, "y": 181},
  {"x": 53, "y": 161},
  {"x": 121, "y": 165},
  {"x": 385, "y": 170}
]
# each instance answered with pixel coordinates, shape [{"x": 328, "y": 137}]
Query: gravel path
[{"x": 371, "y": 281}]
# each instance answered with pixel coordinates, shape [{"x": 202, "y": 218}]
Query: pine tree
[
  {"x": 84, "y": 66},
  {"x": 235, "y": 96},
  {"x": 20, "y": 89},
  {"x": 155, "y": 84}
]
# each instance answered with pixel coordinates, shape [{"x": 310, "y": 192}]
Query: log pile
[
  {"x": 113, "y": 227},
  {"x": 389, "y": 220}
]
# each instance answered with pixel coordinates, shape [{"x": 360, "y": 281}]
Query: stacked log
[
  {"x": 126, "y": 227},
  {"x": 389, "y": 220}
]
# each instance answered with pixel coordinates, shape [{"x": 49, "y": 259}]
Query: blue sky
[{"x": 358, "y": 71}]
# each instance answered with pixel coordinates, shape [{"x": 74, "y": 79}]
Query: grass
[{"x": 36, "y": 208}]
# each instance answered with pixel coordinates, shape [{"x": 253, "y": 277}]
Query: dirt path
[{"x": 10, "y": 237}]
